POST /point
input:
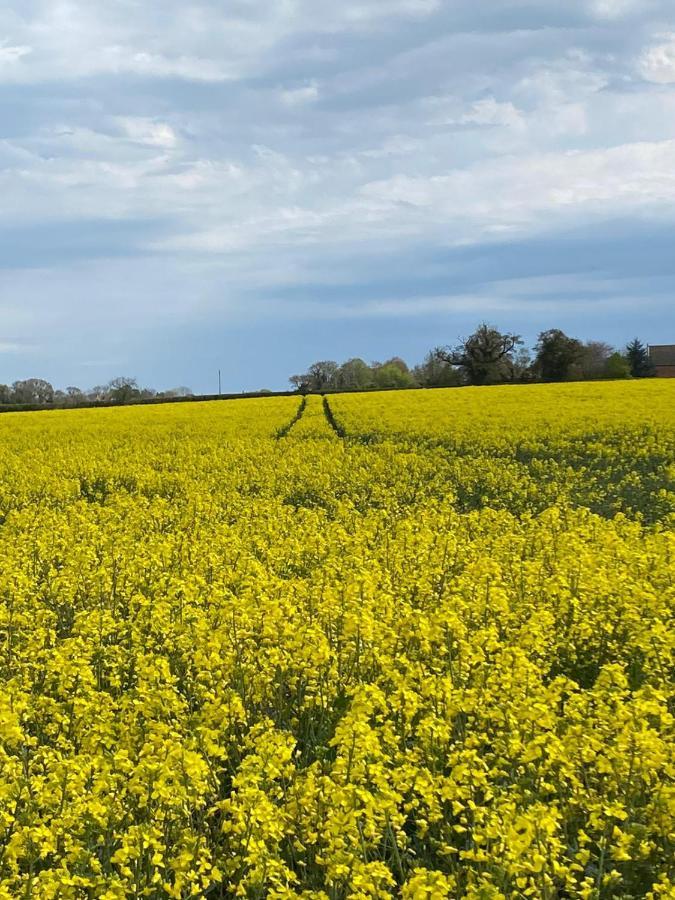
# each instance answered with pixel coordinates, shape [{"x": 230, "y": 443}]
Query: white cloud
[
  {"x": 171, "y": 39},
  {"x": 657, "y": 63},
  {"x": 398, "y": 145},
  {"x": 10, "y": 347},
  {"x": 490, "y": 112},
  {"x": 518, "y": 194},
  {"x": 451, "y": 110},
  {"x": 192, "y": 68},
  {"x": 300, "y": 96},
  {"x": 10, "y": 55},
  {"x": 148, "y": 132},
  {"x": 373, "y": 161},
  {"x": 445, "y": 132},
  {"x": 369, "y": 10},
  {"x": 512, "y": 196},
  {"x": 614, "y": 9}
]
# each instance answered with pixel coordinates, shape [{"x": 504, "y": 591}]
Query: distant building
[{"x": 663, "y": 360}]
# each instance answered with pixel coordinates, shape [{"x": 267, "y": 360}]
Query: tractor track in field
[
  {"x": 332, "y": 421},
  {"x": 285, "y": 429}
]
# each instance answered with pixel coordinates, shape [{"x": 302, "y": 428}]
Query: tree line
[
  {"x": 488, "y": 356},
  {"x": 38, "y": 392}
]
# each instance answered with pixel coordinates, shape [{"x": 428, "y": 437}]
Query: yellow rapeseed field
[{"x": 413, "y": 644}]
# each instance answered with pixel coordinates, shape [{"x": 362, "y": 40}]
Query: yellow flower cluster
[
  {"x": 413, "y": 645},
  {"x": 609, "y": 447}
]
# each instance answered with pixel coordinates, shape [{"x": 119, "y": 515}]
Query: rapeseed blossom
[{"x": 423, "y": 649}]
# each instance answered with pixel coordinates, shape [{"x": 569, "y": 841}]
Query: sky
[{"x": 256, "y": 184}]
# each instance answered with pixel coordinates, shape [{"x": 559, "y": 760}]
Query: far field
[{"x": 411, "y": 644}]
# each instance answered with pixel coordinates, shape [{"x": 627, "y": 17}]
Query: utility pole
[{"x": 219, "y": 382}]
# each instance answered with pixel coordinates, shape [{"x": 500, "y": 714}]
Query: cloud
[
  {"x": 516, "y": 195},
  {"x": 658, "y": 61},
  {"x": 7, "y": 347},
  {"x": 507, "y": 192},
  {"x": 198, "y": 159},
  {"x": 300, "y": 96},
  {"x": 9, "y": 55},
  {"x": 171, "y": 39},
  {"x": 119, "y": 60},
  {"x": 614, "y": 9},
  {"x": 487, "y": 111},
  {"x": 370, "y": 10},
  {"x": 148, "y": 132}
]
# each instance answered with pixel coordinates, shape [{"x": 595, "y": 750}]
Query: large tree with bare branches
[{"x": 485, "y": 357}]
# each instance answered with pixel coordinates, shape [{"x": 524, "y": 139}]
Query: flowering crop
[{"x": 419, "y": 647}]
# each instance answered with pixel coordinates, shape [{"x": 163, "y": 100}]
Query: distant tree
[
  {"x": 354, "y": 375},
  {"x": 392, "y": 375},
  {"x": 593, "y": 359},
  {"x": 300, "y": 382},
  {"x": 437, "y": 371},
  {"x": 485, "y": 357},
  {"x": 5, "y": 393},
  {"x": 321, "y": 376},
  {"x": 97, "y": 393},
  {"x": 638, "y": 359},
  {"x": 400, "y": 364},
  {"x": 521, "y": 366},
  {"x": 617, "y": 366},
  {"x": 556, "y": 353},
  {"x": 34, "y": 391},
  {"x": 180, "y": 391},
  {"x": 123, "y": 390},
  {"x": 74, "y": 395}
]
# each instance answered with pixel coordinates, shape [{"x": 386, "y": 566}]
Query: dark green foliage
[
  {"x": 638, "y": 359},
  {"x": 556, "y": 355},
  {"x": 486, "y": 356},
  {"x": 617, "y": 366}
]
